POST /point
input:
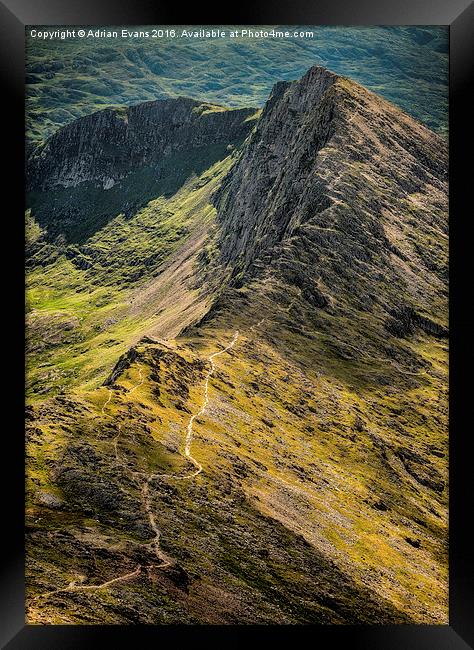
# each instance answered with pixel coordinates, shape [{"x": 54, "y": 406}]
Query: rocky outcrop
[
  {"x": 404, "y": 321},
  {"x": 124, "y": 362},
  {"x": 269, "y": 185},
  {"x": 105, "y": 146}
]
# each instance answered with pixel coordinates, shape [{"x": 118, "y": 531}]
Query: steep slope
[
  {"x": 106, "y": 146},
  {"x": 87, "y": 304},
  {"x": 354, "y": 187},
  {"x": 284, "y": 459}
]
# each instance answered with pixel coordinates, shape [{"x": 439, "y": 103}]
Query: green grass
[{"x": 121, "y": 257}]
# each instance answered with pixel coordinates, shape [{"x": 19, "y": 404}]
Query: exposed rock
[
  {"x": 413, "y": 542},
  {"x": 49, "y": 500},
  {"x": 421, "y": 469},
  {"x": 105, "y": 146},
  {"x": 318, "y": 198},
  {"x": 405, "y": 320},
  {"x": 122, "y": 364}
]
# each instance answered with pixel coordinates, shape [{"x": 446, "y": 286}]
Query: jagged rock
[
  {"x": 179, "y": 576},
  {"x": 405, "y": 320},
  {"x": 413, "y": 542},
  {"x": 122, "y": 364},
  {"x": 49, "y": 500},
  {"x": 421, "y": 469},
  {"x": 330, "y": 217}
]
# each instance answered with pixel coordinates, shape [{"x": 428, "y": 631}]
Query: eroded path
[
  {"x": 189, "y": 429},
  {"x": 145, "y": 480}
]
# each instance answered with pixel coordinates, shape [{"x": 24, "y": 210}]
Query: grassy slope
[
  {"x": 408, "y": 66},
  {"x": 296, "y": 452},
  {"x": 81, "y": 321},
  {"x": 301, "y": 426}
]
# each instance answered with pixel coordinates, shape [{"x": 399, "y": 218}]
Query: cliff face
[
  {"x": 105, "y": 146},
  {"x": 339, "y": 192},
  {"x": 270, "y": 184}
]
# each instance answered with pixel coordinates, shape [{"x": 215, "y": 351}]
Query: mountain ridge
[
  {"x": 313, "y": 88},
  {"x": 323, "y": 440},
  {"x": 79, "y": 152},
  {"x": 117, "y": 161}
]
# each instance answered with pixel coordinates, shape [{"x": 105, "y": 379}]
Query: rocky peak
[
  {"x": 296, "y": 123},
  {"x": 336, "y": 183}
]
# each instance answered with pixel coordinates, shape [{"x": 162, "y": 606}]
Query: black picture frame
[{"x": 459, "y": 16}]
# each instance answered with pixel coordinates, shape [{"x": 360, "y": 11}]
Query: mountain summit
[{"x": 341, "y": 191}]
